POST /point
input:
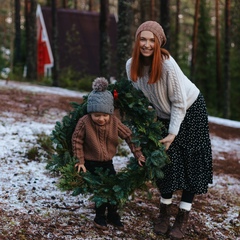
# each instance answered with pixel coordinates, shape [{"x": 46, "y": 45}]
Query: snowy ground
[{"x": 28, "y": 189}]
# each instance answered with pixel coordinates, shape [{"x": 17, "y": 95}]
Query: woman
[{"x": 181, "y": 108}]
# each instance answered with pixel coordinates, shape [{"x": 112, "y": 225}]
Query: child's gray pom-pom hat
[{"x": 100, "y": 99}]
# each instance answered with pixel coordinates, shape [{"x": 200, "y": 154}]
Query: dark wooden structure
[{"x": 78, "y": 40}]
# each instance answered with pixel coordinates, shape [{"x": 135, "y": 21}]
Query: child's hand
[
  {"x": 141, "y": 160},
  {"x": 80, "y": 166}
]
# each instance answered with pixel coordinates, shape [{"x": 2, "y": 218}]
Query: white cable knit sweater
[{"x": 171, "y": 96}]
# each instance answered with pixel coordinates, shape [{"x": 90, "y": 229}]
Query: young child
[{"x": 95, "y": 142}]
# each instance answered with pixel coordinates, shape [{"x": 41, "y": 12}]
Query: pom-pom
[{"x": 100, "y": 84}]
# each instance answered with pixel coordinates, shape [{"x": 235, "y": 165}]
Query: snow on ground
[
  {"x": 220, "y": 145},
  {"x": 225, "y": 122},
  {"x": 27, "y": 186},
  {"x": 40, "y": 89}
]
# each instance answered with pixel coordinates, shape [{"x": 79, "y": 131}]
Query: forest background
[{"x": 203, "y": 36}]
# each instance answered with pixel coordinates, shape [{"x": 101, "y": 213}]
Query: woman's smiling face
[{"x": 147, "y": 42}]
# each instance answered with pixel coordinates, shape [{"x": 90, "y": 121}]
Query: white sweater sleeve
[
  {"x": 177, "y": 97},
  {"x": 181, "y": 93}
]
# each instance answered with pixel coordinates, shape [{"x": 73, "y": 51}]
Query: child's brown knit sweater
[{"x": 99, "y": 143}]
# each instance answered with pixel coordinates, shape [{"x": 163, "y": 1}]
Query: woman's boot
[
  {"x": 179, "y": 228},
  {"x": 162, "y": 224}
]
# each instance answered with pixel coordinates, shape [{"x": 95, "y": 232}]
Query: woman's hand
[
  {"x": 167, "y": 140},
  {"x": 141, "y": 160},
  {"x": 80, "y": 166}
]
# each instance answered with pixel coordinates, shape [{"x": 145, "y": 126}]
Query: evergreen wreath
[{"x": 141, "y": 119}]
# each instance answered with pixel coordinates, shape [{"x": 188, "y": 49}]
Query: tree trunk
[
  {"x": 104, "y": 39},
  {"x": 90, "y": 5},
  {"x": 75, "y": 4},
  {"x": 194, "y": 40},
  {"x": 218, "y": 58},
  {"x": 226, "y": 60},
  {"x": 153, "y": 10},
  {"x": 55, "y": 70},
  {"x": 124, "y": 39},
  {"x": 177, "y": 29},
  {"x": 145, "y": 9},
  {"x": 17, "y": 40},
  {"x": 31, "y": 60},
  {"x": 64, "y": 3},
  {"x": 165, "y": 20}
]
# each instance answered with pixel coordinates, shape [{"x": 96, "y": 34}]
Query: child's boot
[
  {"x": 113, "y": 217},
  {"x": 100, "y": 219}
]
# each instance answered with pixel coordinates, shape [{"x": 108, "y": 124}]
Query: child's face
[{"x": 100, "y": 118}]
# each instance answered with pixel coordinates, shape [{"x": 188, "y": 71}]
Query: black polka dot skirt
[{"x": 190, "y": 154}]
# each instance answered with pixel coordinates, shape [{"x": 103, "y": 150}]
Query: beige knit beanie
[{"x": 155, "y": 28}]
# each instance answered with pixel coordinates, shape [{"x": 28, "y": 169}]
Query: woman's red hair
[{"x": 137, "y": 65}]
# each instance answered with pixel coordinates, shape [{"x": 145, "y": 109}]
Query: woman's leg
[
  {"x": 166, "y": 198},
  {"x": 162, "y": 224},
  {"x": 186, "y": 200}
]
